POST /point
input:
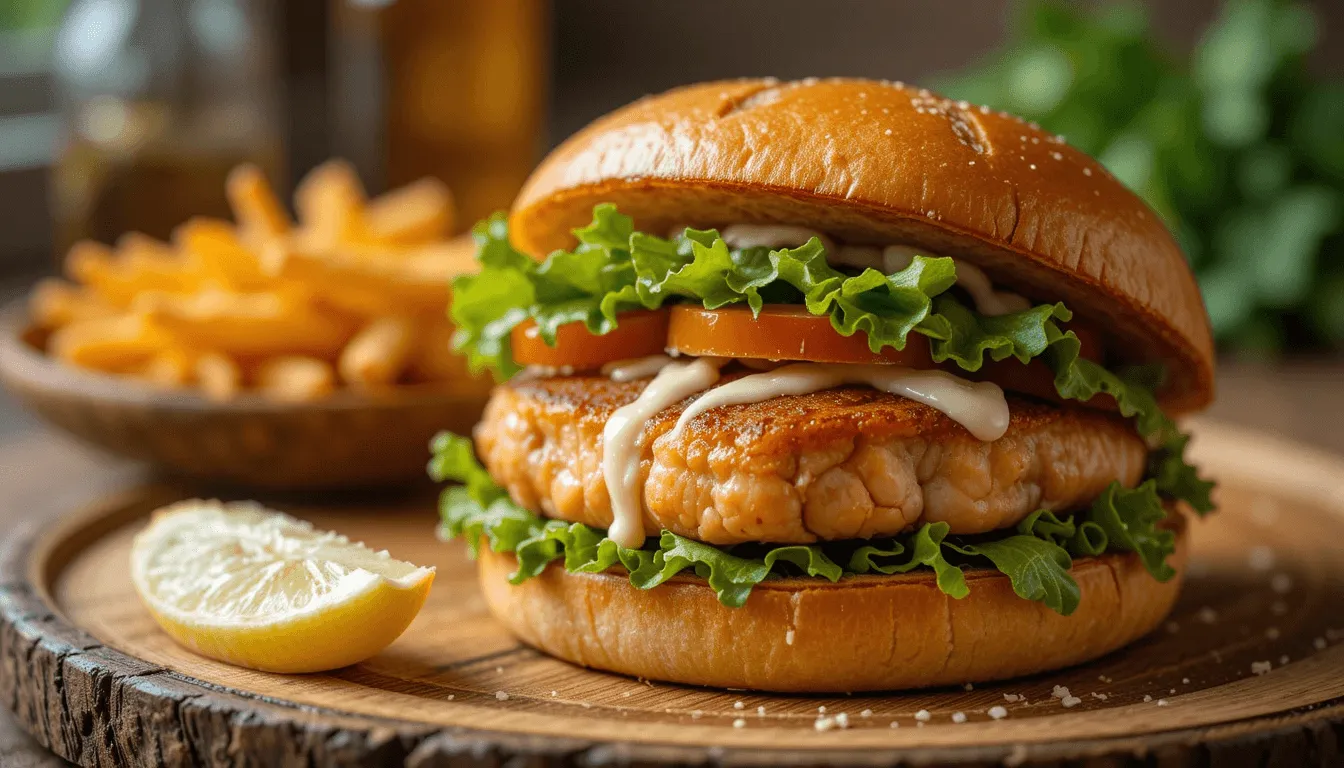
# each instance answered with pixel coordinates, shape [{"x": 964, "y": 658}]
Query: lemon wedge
[{"x": 242, "y": 584}]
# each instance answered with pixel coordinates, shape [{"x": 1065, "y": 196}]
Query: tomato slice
[
  {"x": 780, "y": 332},
  {"x": 637, "y": 334},
  {"x": 791, "y": 333}
]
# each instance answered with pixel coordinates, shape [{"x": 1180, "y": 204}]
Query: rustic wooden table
[{"x": 42, "y": 473}]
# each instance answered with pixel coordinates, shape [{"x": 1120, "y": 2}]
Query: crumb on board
[{"x": 998, "y": 712}]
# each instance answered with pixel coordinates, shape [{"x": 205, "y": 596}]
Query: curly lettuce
[{"x": 1036, "y": 556}]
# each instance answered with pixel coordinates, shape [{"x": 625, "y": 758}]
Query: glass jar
[{"x": 159, "y": 100}]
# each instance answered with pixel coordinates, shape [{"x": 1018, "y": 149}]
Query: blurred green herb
[
  {"x": 1238, "y": 147},
  {"x": 30, "y": 14}
]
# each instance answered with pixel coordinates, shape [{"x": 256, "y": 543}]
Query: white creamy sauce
[
  {"x": 971, "y": 278},
  {"x": 620, "y": 455},
  {"x": 980, "y": 407},
  {"x": 636, "y": 368},
  {"x": 891, "y": 259},
  {"x": 772, "y": 236},
  {"x": 544, "y": 372}
]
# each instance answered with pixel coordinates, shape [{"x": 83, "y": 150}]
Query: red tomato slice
[
  {"x": 791, "y": 333},
  {"x": 778, "y": 333},
  {"x": 637, "y": 334}
]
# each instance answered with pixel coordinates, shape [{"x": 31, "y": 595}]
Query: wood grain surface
[{"x": 87, "y": 670}]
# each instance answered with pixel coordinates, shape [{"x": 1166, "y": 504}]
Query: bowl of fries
[{"x": 299, "y": 355}]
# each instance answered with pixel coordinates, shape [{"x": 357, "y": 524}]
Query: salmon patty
[{"x": 839, "y": 464}]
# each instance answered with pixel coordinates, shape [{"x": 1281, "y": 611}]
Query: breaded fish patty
[{"x": 839, "y": 464}]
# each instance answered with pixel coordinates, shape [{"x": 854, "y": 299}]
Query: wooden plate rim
[{"x": 70, "y": 681}]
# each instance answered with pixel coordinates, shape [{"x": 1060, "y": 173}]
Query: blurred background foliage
[
  {"x": 29, "y": 14},
  {"x": 1237, "y": 146}
]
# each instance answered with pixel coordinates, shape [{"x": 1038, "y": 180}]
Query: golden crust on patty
[{"x": 844, "y": 463}]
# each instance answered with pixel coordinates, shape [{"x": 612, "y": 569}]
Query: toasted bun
[
  {"x": 864, "y": 633},
  {"x": 881, "y": 163}
]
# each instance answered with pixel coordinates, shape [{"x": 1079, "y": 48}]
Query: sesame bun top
[{"x": 883, "y": 163}]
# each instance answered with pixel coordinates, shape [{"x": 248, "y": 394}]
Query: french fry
[
  {"x": 434, "y": 358},
  {"x": 417, "y": 284},
  {"x": 115, "y": 345},
  {"x": 218, "y": 376},
  {"x": 356, "y": 293},
  {"x": 415, "y": 214},
  {"x": 330, "y": 202},
  {"x": 366, "y": 288},
  {"x": 171, "y": 368},
  {"x": 54, "y": 303},
  {"x": 378, "y": 354},
  {"x": 292, "y": 378},
  {"x": 260, "y": 215},
  {"x": 247, "y": 324},
  {"x": 142, "y": 266},
  {"x": 214, "y": 246}
]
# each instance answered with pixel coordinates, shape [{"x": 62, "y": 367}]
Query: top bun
[{"x": 882, "y": 163}]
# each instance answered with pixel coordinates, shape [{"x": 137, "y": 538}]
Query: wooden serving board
[{"x": 89, "y": 673}]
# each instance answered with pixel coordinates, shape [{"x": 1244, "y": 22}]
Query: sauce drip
[
  {"x": 620, "y": 453},
  {"x": 980, "y": 407},
  {"x": 636, "y": 368}
]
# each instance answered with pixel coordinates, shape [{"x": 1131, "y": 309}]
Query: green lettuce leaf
[
  {"x": 1037, "y": 568},
  {"x": 1080, "y": 379},
  {"x": 615, "y": 269},
  {"x": 1131, "y": 520},
  {"x": 1035, "y": 556},
  {"x": 924, "y": 548},
  {"x": 965, "y": 336}
]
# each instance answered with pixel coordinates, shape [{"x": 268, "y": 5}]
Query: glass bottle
[{"x": 159, "y": 99}]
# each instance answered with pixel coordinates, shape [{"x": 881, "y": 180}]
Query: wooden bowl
[{"x": 349, "y": 440}]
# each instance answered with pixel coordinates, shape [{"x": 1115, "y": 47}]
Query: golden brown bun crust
[
  {"x": 864, "y": 633},
  {"x": 879, "y": 163}
]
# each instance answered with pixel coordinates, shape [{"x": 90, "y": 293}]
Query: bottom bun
[{"x": 864, "y": 633}]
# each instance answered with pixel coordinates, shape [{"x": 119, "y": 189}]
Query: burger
[{"x": 828, "y": 385}]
